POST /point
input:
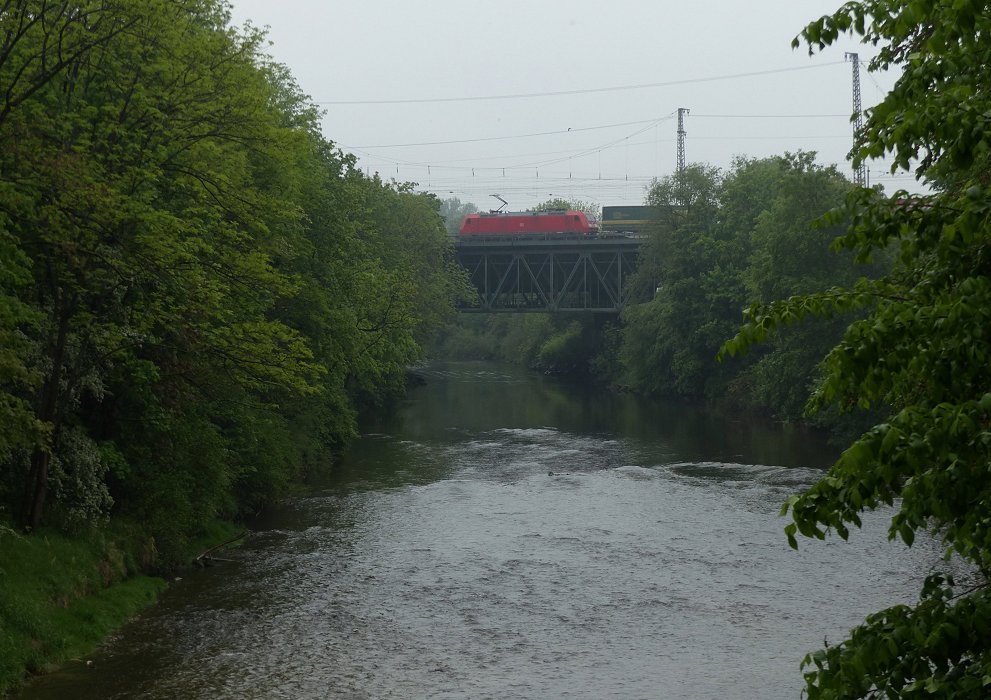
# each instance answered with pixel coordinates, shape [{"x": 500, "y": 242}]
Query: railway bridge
[{"x": 549, "y": 273}]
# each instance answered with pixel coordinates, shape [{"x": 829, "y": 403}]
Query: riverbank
[{"x": 61, "y": 596}]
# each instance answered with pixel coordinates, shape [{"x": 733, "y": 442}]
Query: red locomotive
[{"x": 512, "y": 223}]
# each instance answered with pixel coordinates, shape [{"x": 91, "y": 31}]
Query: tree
[
  {"x": 697, "y": 265},
  {"x": 406, "y": 286},
  {"x": 923, "y": 349},
  {"x": 40, "y": 40},
  {"x": 131, "y": 187},
  {"x": 559, "y": 203},
  {"x": 667, "y": 340},
  {"x": 453, "y": 211},
  {"x": 18, "y": 426},
  {"x": 790, "y": 255},
  {"x": 197, "y": 290}
]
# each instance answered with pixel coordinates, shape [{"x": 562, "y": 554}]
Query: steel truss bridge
[{"x": 558, "y": 273}]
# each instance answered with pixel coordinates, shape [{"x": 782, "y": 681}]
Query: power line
[
  {"x": 771, "y": 116},
  {"x": 574, "y": 153},
  {"x": 501, "y": 157},
  {"x": 554, "y": 161},
  {"x": 777, "y": 137},
  {"x": 573, "y": 130},
  {"x": 569, "y": 130},
  {"x": 603, "y": 147},
  {"x": 559, "y": 93}
]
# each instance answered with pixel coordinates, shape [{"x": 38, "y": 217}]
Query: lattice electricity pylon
[
  {"x": 682, "y": 111},
  {"x": 859, "y": 170}
]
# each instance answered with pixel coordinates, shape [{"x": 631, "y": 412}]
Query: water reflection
[{"x": 463, "y": 399}]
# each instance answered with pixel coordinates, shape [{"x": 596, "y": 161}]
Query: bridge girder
[{"x": 550, "y": 274}]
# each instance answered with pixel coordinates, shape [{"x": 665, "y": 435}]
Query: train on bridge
[
  {"x": 552, "y": 261},
  {"x": 616, "y": 221}
]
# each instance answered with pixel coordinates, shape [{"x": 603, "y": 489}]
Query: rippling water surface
[{"x": 507, "y": 536}]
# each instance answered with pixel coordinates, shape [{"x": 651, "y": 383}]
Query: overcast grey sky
[{"x": 729, "y": 62}]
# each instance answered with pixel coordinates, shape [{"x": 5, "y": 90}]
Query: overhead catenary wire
[
  {"x": 576, "y": 130},
  {"x": 602, "y": 147},
  {"x": 482, "y": 139},
  {"x": 506, "y": 163},
  {"x": 580, "y": 153},
  {"x": 582, "y": 91}
]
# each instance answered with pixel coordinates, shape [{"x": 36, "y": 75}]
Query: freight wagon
[{"x": 631, "y": 219}]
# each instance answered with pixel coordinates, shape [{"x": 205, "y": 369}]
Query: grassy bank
[{"x": 61, "y": 596}]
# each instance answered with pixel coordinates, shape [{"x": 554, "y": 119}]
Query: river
[{"x": 511, "y": 536}]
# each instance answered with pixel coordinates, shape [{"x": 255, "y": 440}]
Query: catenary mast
[
  {"x": 682, "y": 111},
  {"x": 859, "y": 171}
]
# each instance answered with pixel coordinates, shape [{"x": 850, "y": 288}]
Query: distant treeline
[
  {"x": 721, "y": 241},
  {"x": 198, "y": 291}
]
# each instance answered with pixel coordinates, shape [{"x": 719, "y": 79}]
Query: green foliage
[
  {"x": 78, "y": 480},
  {"x": 18, "y": 426},
  {"x": 558, "y": 344},
  {"x": 559, "y": 203},
  {"x": 922, "y": 348},
  {"x": 453, "y": 212},
  {"x": 519, "y": 338},
  {"x": 468, "y": 337},
  {"x": 685, "y": 259},
  {"x": 721, "y": 240},
  {"x": 565, "y": 351},
  {"x": 198, "y": 292},
  {"x": 790, "y": 254},
  {"x": 906, "y": 652}
]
